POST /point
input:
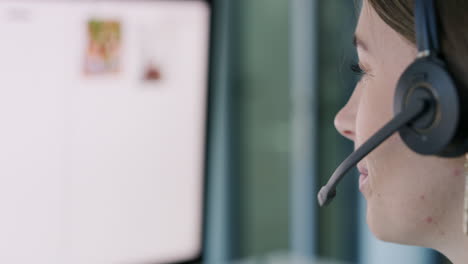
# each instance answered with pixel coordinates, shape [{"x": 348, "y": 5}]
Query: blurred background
[{"x": 281, "y": 73}]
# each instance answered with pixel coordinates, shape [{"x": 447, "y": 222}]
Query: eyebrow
[{"x": 357, "y": 42}]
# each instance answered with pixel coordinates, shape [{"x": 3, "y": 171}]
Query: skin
[{"x": 411, "y": 199}]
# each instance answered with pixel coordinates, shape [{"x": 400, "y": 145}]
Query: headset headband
[{"x": 426, "y": 27}]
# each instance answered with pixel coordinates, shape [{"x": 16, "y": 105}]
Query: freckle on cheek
[
  {"x": 422, "y": 197},
  {"x": 429, "y": 220}
]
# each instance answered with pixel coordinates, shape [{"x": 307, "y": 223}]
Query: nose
[{"x": 345, "y": 120}]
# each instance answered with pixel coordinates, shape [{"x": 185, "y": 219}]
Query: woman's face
[{"x": 411, "y": 199}]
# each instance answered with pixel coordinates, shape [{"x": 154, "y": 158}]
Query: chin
[{"x": 387, "y": 228}]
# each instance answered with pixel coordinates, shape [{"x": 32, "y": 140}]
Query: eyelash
[{"x": 356, "y": 68}]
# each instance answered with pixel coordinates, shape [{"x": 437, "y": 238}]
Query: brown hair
[{"x": 453, "y": 30}]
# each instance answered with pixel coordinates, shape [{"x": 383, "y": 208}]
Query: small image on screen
[
  {"x": 103, "y": 52},
  {"x": 153, "y": 50}
]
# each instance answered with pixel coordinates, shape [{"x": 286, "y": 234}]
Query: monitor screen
[{"x": 102, "y": 130}]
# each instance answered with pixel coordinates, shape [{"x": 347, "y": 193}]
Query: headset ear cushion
[{"x": 436, "y": 131}]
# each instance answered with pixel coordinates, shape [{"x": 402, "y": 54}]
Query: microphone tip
[
  {"x": 322, "y": 197},
  {"x": 325, "y": 196}
]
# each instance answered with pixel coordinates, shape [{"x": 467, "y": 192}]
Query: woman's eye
[{"x": 356, "y": 68}]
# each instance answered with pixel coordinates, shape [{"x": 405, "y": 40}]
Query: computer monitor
[{"x": 103, "y": 113}]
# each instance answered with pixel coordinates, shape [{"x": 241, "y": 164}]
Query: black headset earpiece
[
  {"x": 436, "y": 132},
  {"x": 426, "y": 105}
]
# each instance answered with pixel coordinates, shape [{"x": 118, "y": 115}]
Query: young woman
[{"x": 411, "y": 199}]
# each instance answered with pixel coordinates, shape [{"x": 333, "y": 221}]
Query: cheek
[
  {"x": 388, "y": 161},
  {"x": 387, "y": 164},
  {"x": 410, "y": 193},
  {"x": 375, "y": 110},
  {"x": 415, "y": 198}
]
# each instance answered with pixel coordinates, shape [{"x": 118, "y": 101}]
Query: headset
[{"x": 427, "y": 105}]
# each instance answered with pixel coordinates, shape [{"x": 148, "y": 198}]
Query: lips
[{"x": 363, "y": 177}]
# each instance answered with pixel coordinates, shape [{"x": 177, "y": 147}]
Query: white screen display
[{"x": 102, "y": 130}]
